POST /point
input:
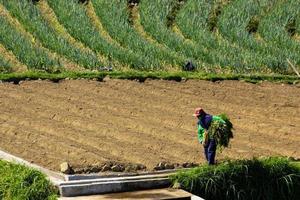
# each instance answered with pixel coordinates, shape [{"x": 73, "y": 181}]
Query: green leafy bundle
[{"x": 221, "y": 132}]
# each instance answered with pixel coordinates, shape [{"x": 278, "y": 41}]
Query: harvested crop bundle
[{"x": 221, "y": 131}]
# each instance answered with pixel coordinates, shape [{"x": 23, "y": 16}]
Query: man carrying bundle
[{"x": 213, "y": 132}]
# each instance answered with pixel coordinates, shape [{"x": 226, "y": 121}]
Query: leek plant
[
  {"x": 73, "y": 16},
  {"x": 29, "y": 16},
  {"x": 24, "y": 49},
  {"x": 114, "y": 17}
]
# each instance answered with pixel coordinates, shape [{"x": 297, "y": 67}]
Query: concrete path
[{"x": 163, "y": 194}]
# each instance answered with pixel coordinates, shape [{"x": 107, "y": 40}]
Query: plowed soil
[{"x": 87, "y": 122}]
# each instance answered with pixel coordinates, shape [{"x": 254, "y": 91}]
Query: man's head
[{"x": 199, "y": 112}]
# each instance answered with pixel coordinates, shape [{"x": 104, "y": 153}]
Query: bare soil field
[{"x": 87, "y": 122}]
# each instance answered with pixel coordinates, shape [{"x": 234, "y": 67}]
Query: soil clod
[{"x": 66, "y": 168}]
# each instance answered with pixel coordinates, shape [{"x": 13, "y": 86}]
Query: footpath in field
[{"x": 89, "y": 123}]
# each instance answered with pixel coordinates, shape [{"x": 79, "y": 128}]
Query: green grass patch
[
  {"x": 18, "y": 182},
  {"x": 266, "y": 178},
  {"x": 142, "y": 76}
]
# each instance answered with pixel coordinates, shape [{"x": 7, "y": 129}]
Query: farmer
[{"x": 204, "y": 136}]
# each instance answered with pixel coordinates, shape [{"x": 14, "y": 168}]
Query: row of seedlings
[
  {"x": 116, "y": 22},
  {"x": 73, "y": 16},
  {"x": 31, "y": 19},
  {"x": 233, "y": 25}
]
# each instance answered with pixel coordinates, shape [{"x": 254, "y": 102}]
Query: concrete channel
[{"x": 115, "y": 186}]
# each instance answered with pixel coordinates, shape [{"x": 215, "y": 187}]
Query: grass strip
[
  {"x": 142, "y": 76},
  {"x": 20, "y": 182},
  {"x": 265, "y": 178}
]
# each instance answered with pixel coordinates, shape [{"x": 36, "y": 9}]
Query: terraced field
[
  {"x": 232, "y": 36},
  {"x": 90, "y": 122}
]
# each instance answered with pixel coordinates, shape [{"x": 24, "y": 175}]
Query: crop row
[
  {"x": 273, "y": 28},
  {"x": 233, "y": 26},
  {"x": 74, "y": 17},
  {"x": 31, "y": 19},
  {"x": 223, "y": 40},
  {"x": 23, "y": 48},
  {"x": 237, "y": 36},
  {"x": 116, "y": 22},
  {"x": 154, "y": 22},
  {"x": 196, "y": 21}
]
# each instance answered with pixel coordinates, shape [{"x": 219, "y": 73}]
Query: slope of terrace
[
  {"x": 198, "y": 21},
  {"x": 153, "y": 21},
  {"x": 16, "y": 18},
  {"x": 53, "y": 22},
  {"x": 30, "y": 18},
  {"x": 135, "y": 19},
  {"x": 98, "y": 24},
  {"x": 234, "y": 28},
  {"x": 10, "y": 62},
  {"x": 69, "y": 13},
  {"x": 22, "y": 44},
  {"x": 273, "y": 28},
  {"x": 54, "y": 35},
  {"x": 117, "y": 24}
]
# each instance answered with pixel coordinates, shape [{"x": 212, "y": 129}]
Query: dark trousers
[{"x": 210, "y": 151}]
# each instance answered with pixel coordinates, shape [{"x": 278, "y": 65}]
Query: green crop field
[{"x": 217, "y": 36}]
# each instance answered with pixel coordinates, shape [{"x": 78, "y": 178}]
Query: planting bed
[{"x": 90, "y": 123}]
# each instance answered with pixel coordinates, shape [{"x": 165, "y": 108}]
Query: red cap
[{"x": 198, "y": 112}]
